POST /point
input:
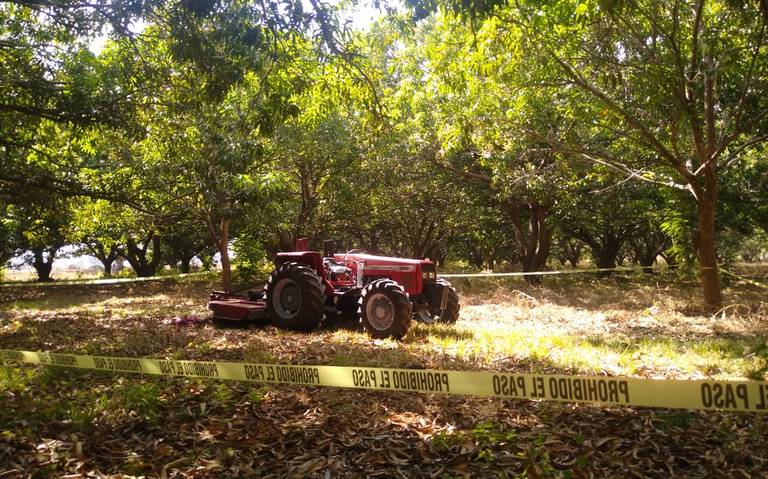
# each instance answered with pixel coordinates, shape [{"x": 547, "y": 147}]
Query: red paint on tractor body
[{"x": 409, "y": 273}]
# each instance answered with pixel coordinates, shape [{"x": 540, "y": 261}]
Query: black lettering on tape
[
  {"x": 254, "y": 372},
  {"x": 741, "y": 394},
  {"x": 602, "y": 389},
  {"x": 14, "y": 356},
  {"x": 428, "y": 381},
  {"x": 300, "y": 375},
  {"x": 624, "y": 390},
  {"x": 385, "y": 380},
  {"x": 713, "y": 394},
  {"x": 538, "y": 387},
  {"x": 63, "y": 360},
  {"x": 509, "y": 385},
  {"x": 174, "y": 368},
  {"x": 586, "y": 389},
  {"x": 117, "y": 364},
  {"x": 716, "y": 395}
]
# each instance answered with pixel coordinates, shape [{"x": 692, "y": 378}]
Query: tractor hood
[{"x": 403, "y": 264}]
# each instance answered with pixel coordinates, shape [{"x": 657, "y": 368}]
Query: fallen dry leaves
[{"x": 66, "y": 423}]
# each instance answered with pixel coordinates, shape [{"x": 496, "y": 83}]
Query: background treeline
[{"x": 517, "y": 136}]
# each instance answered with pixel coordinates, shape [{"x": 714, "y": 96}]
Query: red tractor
[{"x": 382, "y": 293}]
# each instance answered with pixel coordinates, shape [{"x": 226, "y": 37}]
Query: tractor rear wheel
[
  {"x": 295, "y": 297},
  {"x": 385, "y": 309},
  {"x": 449, "y": 315}
]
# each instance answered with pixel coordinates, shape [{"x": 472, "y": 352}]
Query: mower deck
[{"x": 235, "y": 307}]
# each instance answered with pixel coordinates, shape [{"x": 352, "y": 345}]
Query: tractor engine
[{"x": 337, "y": 273}]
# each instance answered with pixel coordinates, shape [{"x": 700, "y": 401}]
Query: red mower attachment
[
  {"x": 237, "y": 307},
  {"x": 383, "y": 293}
]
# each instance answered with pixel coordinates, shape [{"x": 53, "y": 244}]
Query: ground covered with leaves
[{"x": 69, "y": 423}]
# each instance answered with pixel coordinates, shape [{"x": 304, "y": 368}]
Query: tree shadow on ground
[{"x": 54, "y": 296}]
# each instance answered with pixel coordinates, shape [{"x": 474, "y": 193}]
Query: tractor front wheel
[
  {"x": 385, "y": 309},
  {"x": 295, "y": 297},
  {"x": 449, "y": 315}
]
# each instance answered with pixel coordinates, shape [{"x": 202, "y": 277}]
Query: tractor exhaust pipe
[
  {"x": 300, "y": 244},
  {"x": 329, "y": 248}
]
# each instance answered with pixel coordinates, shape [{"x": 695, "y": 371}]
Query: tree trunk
[
  {"x": 645, "y": 253},
  {"x": 185, "y": 264},
  {"x": 605, "y": 256},
  {"x": 284, "y": 241},
  {"x": 226, "y": 271},
  {"x": 572, "y": 252},
  {"x": 646, "y": 262},
  {"x": 605, "y": 259},
  {"x": 105, "y": 258},
  {"x": 221, "y": 240},
  {"x": 536, "y": 248},
  {"x": 106, "y": 266},
  {"x": 138, "y": 257},
  {"x": 43, "y": 267},
  {"x": 707, "y": 253}
]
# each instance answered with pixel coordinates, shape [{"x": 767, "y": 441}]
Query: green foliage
[
  {"x": 755, "y": 247},
  {"x": 142, "y": 397},
  {"x": 485, "y": 133},
  {"x": 250, "y": 259}
]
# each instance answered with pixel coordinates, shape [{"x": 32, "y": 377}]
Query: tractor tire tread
[
  {"x": 313, "y": 297},
  {"x": 451, "y": 312},
  {"x": 400, "y": 302}
]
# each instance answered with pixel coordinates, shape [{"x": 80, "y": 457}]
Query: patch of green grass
[
  {"x": 668, "y": 419},
  {"x": 141, "y": 397},
  {"x": 256, "y": 394},
  {"x": 15, "y": 379},
  {"x": 619, "y": 354},
  {"x": 222, "y": 393},
  {"x": 40, "y": 389},
  {"x": 394, "y": 357},
  {"x": 258, "y": 352},
  {"x": 444, "y": 441}
]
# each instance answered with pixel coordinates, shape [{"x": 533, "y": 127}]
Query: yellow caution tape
[
  {"x": 746, "y": 280},
  {"x": 745, "y": 396},
  {"x": 617, "y": 269},
  {"x": 103, "y": 281}
]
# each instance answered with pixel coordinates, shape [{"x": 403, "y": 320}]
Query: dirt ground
[{"x": 68, "y": 423}]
